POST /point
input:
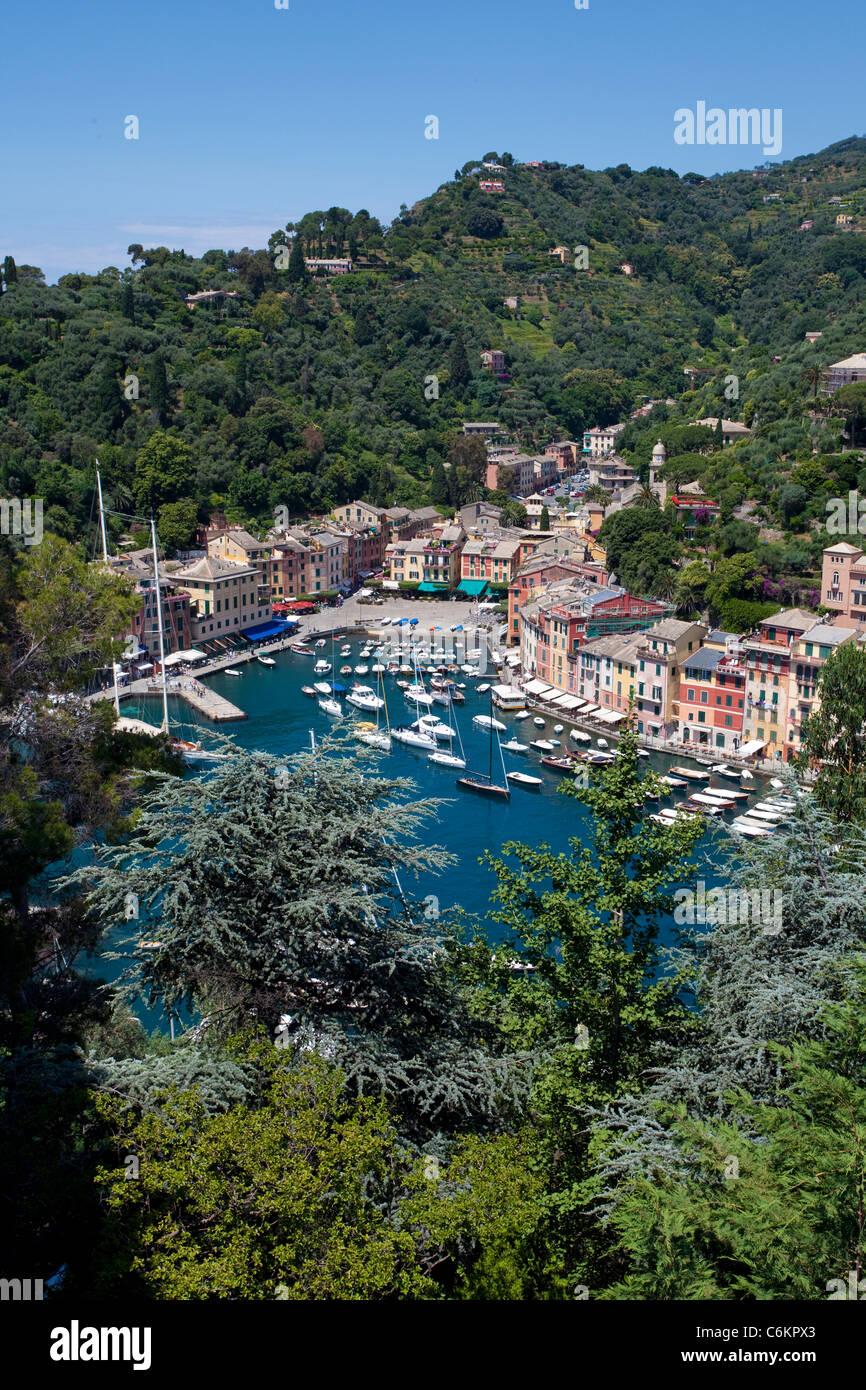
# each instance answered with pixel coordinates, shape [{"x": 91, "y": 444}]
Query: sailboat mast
[
  {"x": 164, "y": 725},
  {"x": 105, "y": 558}
]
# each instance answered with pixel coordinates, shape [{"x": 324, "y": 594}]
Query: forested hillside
[{"x": 304, "y": 392}]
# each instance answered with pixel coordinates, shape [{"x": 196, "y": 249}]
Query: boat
[
  {"x": 483, "y": 689},
  {"x": 345, "y": 651},
  {"x": 705, "y": 762},
  {"x": 703, "y": 799},
  {"x": 322, "y": 666},
  {"x": 193, "y": 753},
  {"x": 597, "y": 759},
  {"x": 414, "y": 738},
  {"x": 579, "y": 736},
  {"x": 750, "y": 830},
  {"x": 523, "y": 779},
  {"x": 308, "y": 690},
  {"x": 371, "y": 733},
  {"x": 544, "y": 745},
  {"x": 301, "y": 649},
  {"x": 690, "y": 774},
  {"x": 728, "y": 795},
  {"x": 432, "y": 724},
  {"x": 321, "y": 642},
  {"x": 446, "y": 759},
  {"x": 482, "y": 782},
  {"x": 362, "y": 697},
  {"x": 538, "y": 722},
  {"x": 515, "y": 746},
  {"x": 231, "y": 671},
  {"x": 558, "y": 728},
  {"x": 345, "y": 670},
  {"x": 266, "y": 660},
  {"x": 322, "y": 688},
  {"x": 524, "y": 714},
  {"x": 362, "y": 670},
  {"x": 674, "y": 781},
  {"x": 419, "y": 697},
  {"x": 708, "y": 808},
  {"x": 746, "y": 775},
  {"x": 558, "y": 764},
  {"x": 757, "y": 813},
  {"x": 602, "y": 742},
  {"x": 457, "y": 697},
  {"x": 642, "y": 753},
  {"x": 485, "y": 721},
  {"x": 328, "y": 705}
]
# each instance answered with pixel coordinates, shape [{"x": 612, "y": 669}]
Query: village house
[
  {"x": 562, "y": 254},
  {"x": 713, "y": 694},
  {"x": 767, "y": 658},
  {"x": 493, "y": 360},
  {"x": 611, "y": 472},
  {"x": 843, "y": 582},
  {"x": 335, "y": 265},
  {"x": 732, "y": 430},
  {"x": 143, "y": 636},
  {"x": 843, "y": 373},
  {"x": 235, "y": 543},
  {"x": 488, "y": 560},
  {"x": 810, "y": 652},
  {"x": 226, "y": 597},
  {"x": 601, "y": 440}
]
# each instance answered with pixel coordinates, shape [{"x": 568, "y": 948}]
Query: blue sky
[{"x": 250, "y": 116}]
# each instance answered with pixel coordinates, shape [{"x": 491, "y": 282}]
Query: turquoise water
[{"x": 280, "y": 721}]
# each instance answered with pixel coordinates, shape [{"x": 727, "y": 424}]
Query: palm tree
[
  {"x": 597, "y": 493},
  {"x": 646, "y": 497}
]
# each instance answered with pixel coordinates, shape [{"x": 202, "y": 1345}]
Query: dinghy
[{"x": 539, "y": 723}]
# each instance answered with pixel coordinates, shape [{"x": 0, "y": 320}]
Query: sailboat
[
  {"x": 327, "y": 703},
  {"x": 483, "y": 782},
  {"x": 416, "y": 735},
  {"x": 450, "y": 759},
  {"x": 371, "y": 733}
]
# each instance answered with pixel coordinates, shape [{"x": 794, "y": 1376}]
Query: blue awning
[{"x": 276, "y": 628}]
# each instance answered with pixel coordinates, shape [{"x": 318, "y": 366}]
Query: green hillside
[{"x": 304, "y": 393}]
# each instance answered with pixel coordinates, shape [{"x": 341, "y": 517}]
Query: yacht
[
  {"x": 447, "y": 759},
  {"x": 322, "y": 666},
  {"x": 415, "y": 738},
  {"x": 330, "y": 706},
  {"x": 515, "y": 746},
  {"x": 362, "y": 697},
  {"x": 431, "y": 724},
  {"x": 321, "y": 687}
]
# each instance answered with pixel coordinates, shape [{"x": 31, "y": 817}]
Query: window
[
  {"x": 702, "y": 718},
  {"x": 705, "y": 698},
  {"x": 729, "y": 721}
]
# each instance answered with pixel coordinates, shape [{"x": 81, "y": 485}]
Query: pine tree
[
  {"x": 459, "y": 373},
  {"x": 834, "y": 736},
  {"x": 274, "y": 894},
  {"x": 545, "y": 519}
]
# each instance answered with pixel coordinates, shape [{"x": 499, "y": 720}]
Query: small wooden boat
[
  {"x": 702, "y": 799},
  {"x": 523, "y": 779},
  {"x": 321, "y": 642},
  {"x": 690, "y": 774},
  {"x": 557, "y": 764},
  {"x": 345, "y": 670},
  {"x": 729, "y": 795},
  {"x": 308, "y": 690},
  {"x": 707, "y": 809},
  {"x": 674, "y": 781}
]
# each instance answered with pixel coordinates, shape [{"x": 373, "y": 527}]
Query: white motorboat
[
  {"x": 446, "y": 759},
  {"x": 321, "y": 687},
  {"x": 746, "y": 775},
  {"x": 345, "y": 651},
  {"x": 362, "y": 697},
  {"x": 756, "y": 813},
  {"x": 544, "y": 745},
  {"x": 308, "y": 690},
  {"x": 231, "y": 671},
  {"x": 523, "y": 779},
  {"x": 515, "y": 746},
  {"x": 331, "y": 707},
  {"x": 418, "y": 698},
  {"x": 483, "y": 689},
  {"x": 376, "y": 738},
  {"x": 602, "y": 742},
  {"x": 703, "y": 799},
  {"x": 362, "y": 670},
  {"x": 266, "y": 660},
  {"x": 558, "y": 728},
  {"x": 486, "y": 721},
  {"x": 642, "y": 753},
  {"x": 579, "y": 736},
  {"x": 538, "y": 722},
  {"x": 322, "y": 666},
  {"x": 674, "y": 781},
  {"x": 321, "y": 642},
  {"x": 378, "y": 669},
  {"x": 523, "y": 714}
]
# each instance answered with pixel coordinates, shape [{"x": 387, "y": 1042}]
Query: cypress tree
[
  {"x": 459, "y": 371},
  {"x": 438, "y": 484},
  {"x": 296, "y": 271},
  {"x": 127, "y": 302}
]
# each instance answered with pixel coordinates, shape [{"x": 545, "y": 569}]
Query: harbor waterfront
[{"x": 281, "y": 720}]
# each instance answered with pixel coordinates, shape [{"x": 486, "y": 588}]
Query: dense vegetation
[{"x": 305, "y": 392}]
